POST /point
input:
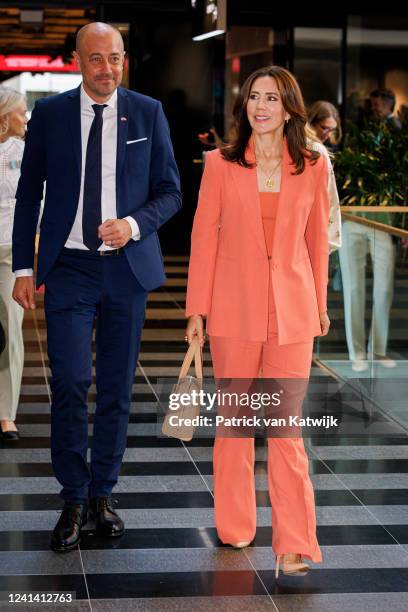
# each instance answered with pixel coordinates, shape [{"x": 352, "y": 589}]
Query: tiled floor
[{"x": 170, "y": 558}]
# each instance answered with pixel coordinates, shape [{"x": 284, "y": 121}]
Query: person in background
[
  {"x": 324, "y": 125},
  {"x": 324, "y": 118},
  {"x": 358, "y": 241},
  {"x": 13, "y": 122},
  {"x": 383, "y": 105}
]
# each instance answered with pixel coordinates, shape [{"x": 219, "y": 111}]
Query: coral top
[{"x": 269, "y": 207}]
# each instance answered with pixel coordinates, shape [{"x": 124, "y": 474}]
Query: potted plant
[{"x": 372, "y": 167}]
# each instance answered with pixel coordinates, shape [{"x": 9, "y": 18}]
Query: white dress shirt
[{"x": 108, "y": 195}]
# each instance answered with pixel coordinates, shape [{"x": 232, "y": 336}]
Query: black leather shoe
[
  {"x": 107, "y": 522},
  {"x": 67, "y": 532},
  {"x": 9, "y": 436}
]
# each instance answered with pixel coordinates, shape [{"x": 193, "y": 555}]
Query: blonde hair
[
  {"x": 9, "y": 100},
  {"x": 321, "y": 110}
]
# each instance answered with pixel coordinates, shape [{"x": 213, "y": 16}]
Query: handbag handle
[{"x": 194, "y": 352}]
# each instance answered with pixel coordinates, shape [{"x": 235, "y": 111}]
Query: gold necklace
[{"x": 269, "y": 177}]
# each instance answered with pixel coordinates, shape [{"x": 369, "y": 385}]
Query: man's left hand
[{"x": 115, "y": 232}]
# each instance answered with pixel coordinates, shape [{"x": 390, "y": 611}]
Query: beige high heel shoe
[
  {"x": 291, "y": 569},
  {"x": 241, "y": 544}
]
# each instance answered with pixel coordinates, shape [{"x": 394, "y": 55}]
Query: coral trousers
[{"x": 290, "y": 489}]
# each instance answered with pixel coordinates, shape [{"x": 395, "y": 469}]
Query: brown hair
[
  {"x": 294, "y": 130},
  {"x": 321, "y": 110}
]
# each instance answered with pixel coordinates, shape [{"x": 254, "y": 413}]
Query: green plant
[{"x": 372, "y": 167}]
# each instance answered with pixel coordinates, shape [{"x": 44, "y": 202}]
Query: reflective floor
[{"x": 170, "y": 557}]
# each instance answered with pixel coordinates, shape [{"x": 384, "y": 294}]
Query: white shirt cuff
[
  {"x": 134, "y": 226},
  {"x": 24, "y": 272}
]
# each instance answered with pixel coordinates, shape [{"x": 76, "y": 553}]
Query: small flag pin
[{"x": 123, "y": 118}]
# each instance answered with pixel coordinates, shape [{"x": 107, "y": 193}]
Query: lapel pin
[{"x": 123, "y": 118}]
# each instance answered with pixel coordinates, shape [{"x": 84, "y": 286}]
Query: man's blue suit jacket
[{"x": 147, "y": 181}]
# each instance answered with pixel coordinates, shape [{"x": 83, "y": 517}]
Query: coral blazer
[{"x": 229, "y": 272}]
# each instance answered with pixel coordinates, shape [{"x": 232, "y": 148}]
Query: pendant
[{"x": 269, "y": 182}]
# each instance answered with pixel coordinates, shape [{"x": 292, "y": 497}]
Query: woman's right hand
[{"x": 195, "y": 327}]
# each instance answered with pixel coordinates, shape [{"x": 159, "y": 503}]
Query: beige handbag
[{"x": 185, "y": 385}]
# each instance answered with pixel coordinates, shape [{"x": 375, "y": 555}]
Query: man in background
[{"x": 383, "y": 105}]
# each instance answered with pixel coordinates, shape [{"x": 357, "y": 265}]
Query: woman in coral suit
[{"x": 258, "y": 272}]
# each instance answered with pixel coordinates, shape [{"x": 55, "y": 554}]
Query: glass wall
[
  {"x": 247, "y": 48},
  {"x": 377, "y": 57},
  {"x": 367, "y": 288},
  {"x": 317, "y": 63}
]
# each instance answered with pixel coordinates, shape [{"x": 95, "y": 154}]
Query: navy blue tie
[{"x": 92, "y": 208}]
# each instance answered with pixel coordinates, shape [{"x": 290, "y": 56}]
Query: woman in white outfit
[
  {"x": 13, "y": 121},
  {"x": 324, "y": 122}
]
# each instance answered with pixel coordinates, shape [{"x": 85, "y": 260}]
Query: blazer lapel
[
  {"x": 74, "y": 120},
  {"x": 123, "y": 121},
  {"x": 247, "y": 185},
  {"x": 286, "y": 181}
]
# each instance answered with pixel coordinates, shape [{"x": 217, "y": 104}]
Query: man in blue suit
[{"x": 111, "y": 182}]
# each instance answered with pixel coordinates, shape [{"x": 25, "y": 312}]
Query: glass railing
[{"x": 368, "y": 306}]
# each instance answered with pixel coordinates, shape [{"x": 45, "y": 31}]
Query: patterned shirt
[
  {"x": 335, "y": 213},
  {"x": 11, "y": 153}
]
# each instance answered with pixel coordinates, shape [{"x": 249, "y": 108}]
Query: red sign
[
  {"x": 36, "y": 63},
  {"x": 236, "y": 65}
]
